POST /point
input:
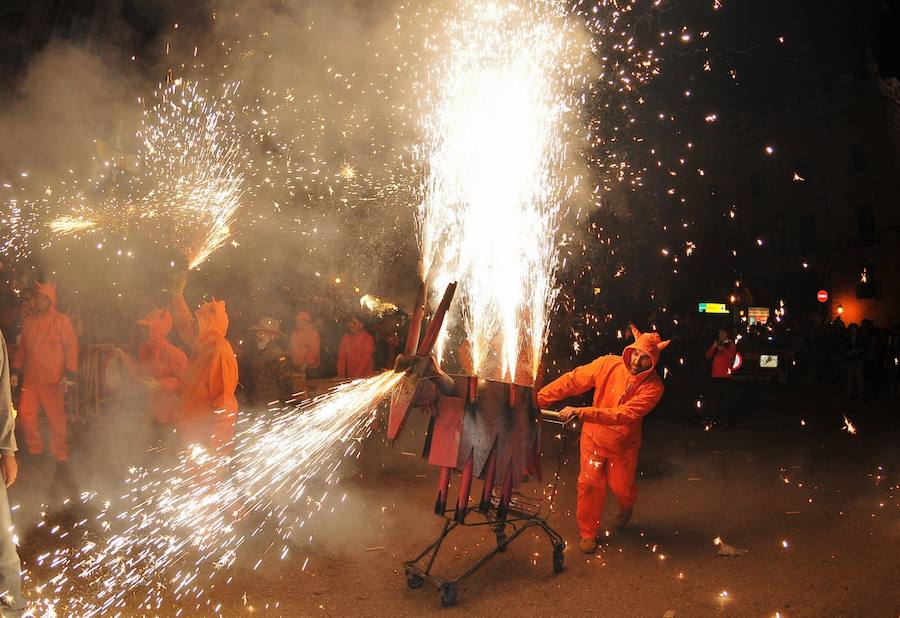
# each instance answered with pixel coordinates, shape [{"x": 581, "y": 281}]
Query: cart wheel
[
  {"x": 558, "y": 558},
  {"x": 413, "y": 580},
  {"x": 448, "y": 595}
]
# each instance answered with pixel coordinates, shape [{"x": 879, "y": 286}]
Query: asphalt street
[{"x": 812, "y": 511}]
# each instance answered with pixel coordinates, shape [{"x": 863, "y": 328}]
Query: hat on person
[{"x": 268, "y": 324}]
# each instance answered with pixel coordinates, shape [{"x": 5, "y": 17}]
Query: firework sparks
[
  {"x": 848, "y": 426},
  {"x": 347, "y": 171},
  {"x": 376, "y": 305},
  {"x": 17, "y": 222},
  {"x": 192, "y": 147},
  {"x": 177, "y": 527},
  {"x": 495, "y": 151},
  {"x": 66, "y": 225}
]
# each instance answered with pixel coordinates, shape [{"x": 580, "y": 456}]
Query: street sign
[
  {"x": 822, "y": 296},
  {"x": 712, "y": 308},
  {"x": 758, "y": 315}
]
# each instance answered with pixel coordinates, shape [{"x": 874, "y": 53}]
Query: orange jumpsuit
[
  {"x": 611, "y": 435},
  {"x": 47, "y": 351},
  {"x": 208, "y": 408},
  {"x": 304, "y": 348},
  {"x": 161, "y": 361},
  {"x": 356, "y": 356}
]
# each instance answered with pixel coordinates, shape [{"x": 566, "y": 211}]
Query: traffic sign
[
  {"x": 822, "y": 296},
  {"x": 712, "y": 308}
]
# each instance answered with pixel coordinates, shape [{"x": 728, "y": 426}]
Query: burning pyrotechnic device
[
  {"x": 484, "y": 429},
  {"x": 403, "y": 396},
  {"x": 496, "y": 134}
]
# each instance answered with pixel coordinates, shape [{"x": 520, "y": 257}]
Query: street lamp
[{"x": 840, "y": 309}]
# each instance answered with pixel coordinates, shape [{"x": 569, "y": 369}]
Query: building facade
[{"x": 814, "y": 185}]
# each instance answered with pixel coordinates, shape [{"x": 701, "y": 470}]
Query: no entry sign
[{"x": 822, "y": 296}]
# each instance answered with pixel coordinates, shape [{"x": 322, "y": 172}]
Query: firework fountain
[
  {"x": 496, "y": 145},
  {"x": 190, "y": 145}
]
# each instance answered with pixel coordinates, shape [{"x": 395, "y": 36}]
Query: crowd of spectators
[{"x": 863, "y": 358}]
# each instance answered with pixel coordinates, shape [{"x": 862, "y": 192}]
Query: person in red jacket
[
  {"x": 47, "y": 359},
  {"x": 626, "y": 388},
  {"x": 722, "y": 352},
  {"x": 208, "y": 408},
  {"x": 356, "y": 354},
  {"x": 161, "y": 365}
]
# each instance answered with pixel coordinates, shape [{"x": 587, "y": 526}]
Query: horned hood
[
  {"x": 212, "y": 319},
  {"x": 48, "y": 290},
  {"x": 159, "y": 321},
  {"x": 649, "y": 343}
]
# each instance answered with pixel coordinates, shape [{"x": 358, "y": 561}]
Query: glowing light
[
  {"x": 376, "y": 305},
  {"x": 848, "y": 426},
  {"x": 347, "y": 172}
]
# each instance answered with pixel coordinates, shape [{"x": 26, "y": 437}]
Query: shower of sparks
[
  {"x": 376, "y": 305},
  {"x": 192, "y": 148},
  {"x": 67, "y": 224},
  {"x": 174, "y": 529},
  {"x": 848, "y": 426},
  {"x": 495, "y": 151},
  {"x": 17, "y": 226}
]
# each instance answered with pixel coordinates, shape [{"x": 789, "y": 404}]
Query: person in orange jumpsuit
[
  {"x": 208, "y": 409},
  {"x": 356, "y": 354},
  {"x": 304, "y": 347},
  {"x": 47, "y": 359},
  {"x": 161, "y": 366},
  {"x": 626, "y": 388}
]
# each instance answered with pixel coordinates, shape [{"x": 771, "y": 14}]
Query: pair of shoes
[
  {"x": 623, "y": 518},
  {"x": 588, "y": 545}
]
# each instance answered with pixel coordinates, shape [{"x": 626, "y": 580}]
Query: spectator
[
  {"x": 387, "y": 344},
  {"x": 269, "y": 378},
  {"x": 892, "y": 359},
  {"x": 12, "y": 603},
  {"x": 855, "y": 352},
  {"x": 722, "y": 352},
  {"x": 304, "y": 346},
  {"x": 356, "y": 354}
]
